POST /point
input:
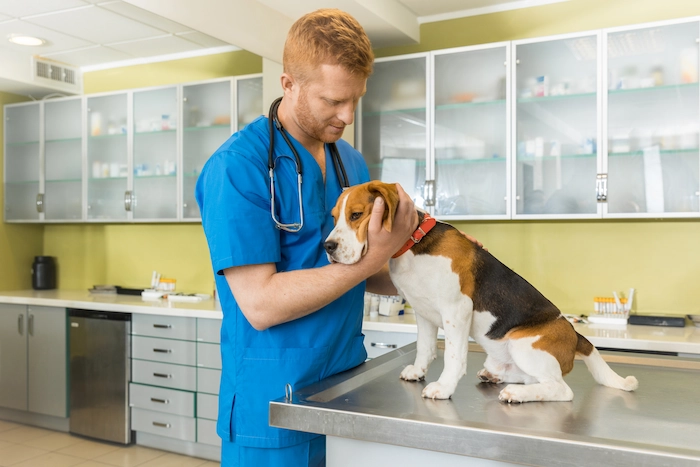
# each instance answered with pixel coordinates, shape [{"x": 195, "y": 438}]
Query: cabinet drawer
[
  {"x": 207, "y": 406},
  {"x": 164, "y": 374},
  {"x": 163, "y": 424},
  {"x": 378, "y": 343},
  {"x": 208, "y": 380},
  {"x": 164, "y": 350},
  {"x": 209, "y": 355},
  {"x": 209, "y": 330},
  {"x": 163, "y": 400},
  {"x": 206, "y": 432},
  {"x": 171, "y": 327}
]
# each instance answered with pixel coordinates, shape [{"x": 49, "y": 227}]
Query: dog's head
[{"x": 347, "y": 242}]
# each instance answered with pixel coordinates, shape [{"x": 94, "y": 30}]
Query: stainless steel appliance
[{"x": 100, "y": 371}]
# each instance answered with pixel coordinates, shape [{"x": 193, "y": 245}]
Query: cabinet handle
[
  {"x": 162, "y": 375},
  {"x": 163, "y": 350},
  {"x": 31, "y": 325},
  {"x": 161, "y": 425},
  {"x": 163, "y": 326},
  {"x": 429, "y": 192},
  {"x": 382, "y": 345},
  {"x": 40, "y": 202},
  {"x": 20, "y": 324},
  {"x": 128, "y": 200},
  {"x": 601, "y": 188},
  {"x": 160, "y": 401}
]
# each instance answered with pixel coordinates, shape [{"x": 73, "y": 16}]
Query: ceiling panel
[
  {"x": 4, "y": 17},
  {"x": 20, "y": 8},
  {"x": 96, "y": 25},
  {"x": 145, "y": 17},
  {"x": 423, "y": 8},
  {"x": 89, "y": 56},
  {"x": 202, "y": 39},
  {"x": 56, "y": 40},
  {"x": 157, "y": 46}
]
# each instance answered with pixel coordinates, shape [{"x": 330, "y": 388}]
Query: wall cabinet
[
  {"x": 129, "y": 156},
  {"x": 602, "y": 124},
  {"x": 33, "y": 362}
]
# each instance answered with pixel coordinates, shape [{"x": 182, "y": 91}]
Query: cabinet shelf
[
  {"x": 138, "y": 177},
  {"x": 64, "y": 140},
  {"x": 552, "y": 158},
  {"x": 104, "y": 179},
  {"x": 114, "y": 136},
  {"x": 662, "y": 152},
  {"x": 21, "y": 182},
  {"x": 204, "y": 128},
  {"x": 154, "y": 132},
  {"x": 21, "y": 143},
  {"x": 667, "y": 87},
  {"x": 469, "y": 105},
  {"x": 529, "y": 100},
  {"x": 65, "y": 180}
]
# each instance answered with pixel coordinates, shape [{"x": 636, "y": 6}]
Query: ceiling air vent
[{"x": 56, "y": 75}]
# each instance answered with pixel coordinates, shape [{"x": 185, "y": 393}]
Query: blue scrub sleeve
[{"x": 233, "y": 196}]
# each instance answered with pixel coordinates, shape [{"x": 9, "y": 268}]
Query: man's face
[{"x": 326, "y": 103}]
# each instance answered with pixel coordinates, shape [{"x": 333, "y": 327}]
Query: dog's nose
[{"x": 330, "y": 246}]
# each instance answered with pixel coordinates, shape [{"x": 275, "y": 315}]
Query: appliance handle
[
  {"x": 20, "y": 324},
  {"x": 160, "y": 401},
  {"x": 161, "y": 425},
  {"x": 31, "y": 325}
]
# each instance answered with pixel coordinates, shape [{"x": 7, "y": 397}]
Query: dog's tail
[{"x": 599, "y": 368}]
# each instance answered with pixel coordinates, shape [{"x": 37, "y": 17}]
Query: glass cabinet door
[
  {"x": 107, "y": 158},
  {"x": 394, "y": 132},
  {"x": 63, "y": 160},
  {"x": 556, "y": 127},
  {"x": 470, "y": 132},
  {"x": 249, "y": 100},
  {"x": 653, "y": 120},
  {"x": 155, "y": 154},
  {"x": 22, "y": 162},
  {"x": 207, "y": 125}
]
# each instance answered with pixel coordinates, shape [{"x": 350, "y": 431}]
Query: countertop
[
  {"x": 631, "y": 337},
  {"x": 656, "y": 425}
]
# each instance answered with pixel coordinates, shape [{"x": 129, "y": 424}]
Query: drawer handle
[
  {"x": 163, "y": 350},
  {"x": 163, "y": 326},
  {"x": 381, "y": 345},
  {"x": 160, "y": 401},
  {"x": 162, "y": 425},
  {"x": 162, "y": 375}
]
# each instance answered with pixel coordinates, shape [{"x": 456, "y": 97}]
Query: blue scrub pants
[{"x": 311, "y": 454}]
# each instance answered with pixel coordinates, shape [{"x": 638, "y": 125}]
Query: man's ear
[{"x": 390, "y": 194}]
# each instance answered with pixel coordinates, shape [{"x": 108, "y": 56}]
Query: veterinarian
[{"x": 289, "y": 316}]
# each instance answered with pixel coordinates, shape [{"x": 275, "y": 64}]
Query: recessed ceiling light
[{"x": 23, "y": 39}]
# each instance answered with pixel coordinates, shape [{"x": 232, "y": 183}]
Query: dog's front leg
[
  {"x": 426, "y": 350},
  {"x": 456, "y": 328}
]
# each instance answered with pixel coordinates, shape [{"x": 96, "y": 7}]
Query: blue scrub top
[{"x": 233, "y": 193}]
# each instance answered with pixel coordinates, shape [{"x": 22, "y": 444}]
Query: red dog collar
[{"x": 423, "y": 228}]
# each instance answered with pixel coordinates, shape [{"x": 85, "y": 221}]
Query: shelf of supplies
[
  {"x": 105, "y": 179},
  {"x": 469, "y": 105},
  {"x": 662, "y": 152},
  {"x": 666, "y": 87},
  {"x": 137, "y": 177},
  {"x": 153, "y": 132},
  {"x": 65, "y": 180},
  {"x": 21, "y": 143},
  {"x": 553, "y": 158},
  {"x": 64, "y": 140},
  {"x": 208, "y": 127},
  {"x": 101, "y": 137},
  {"x": 527, "y": 100}
]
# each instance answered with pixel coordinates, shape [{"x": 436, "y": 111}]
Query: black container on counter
[{"x": 44, "y": 273}]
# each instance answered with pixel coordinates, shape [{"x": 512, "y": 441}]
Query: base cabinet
[
  {"x": 33, "y": 359},
  {"x": 176, "y": 368}
]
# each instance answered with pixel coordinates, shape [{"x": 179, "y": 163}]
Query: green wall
[
  {"x": 18, "y": 243},
  {"x": 569, "y": 261}
]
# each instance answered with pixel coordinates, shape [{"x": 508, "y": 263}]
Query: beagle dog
[{"x": 453, "y": 284}]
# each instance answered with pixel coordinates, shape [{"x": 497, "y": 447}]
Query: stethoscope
[{"x": 335, "y": 155}]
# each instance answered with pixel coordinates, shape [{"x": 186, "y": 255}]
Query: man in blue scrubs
[{"x": 289, "y": 316}]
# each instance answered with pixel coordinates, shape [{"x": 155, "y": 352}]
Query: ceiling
[{"x": 93, "y": 34}]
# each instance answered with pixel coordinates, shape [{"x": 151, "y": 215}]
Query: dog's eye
[{"x": 355, "y": 216}]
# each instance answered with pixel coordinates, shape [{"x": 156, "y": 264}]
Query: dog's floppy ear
[{"x": 390, "y": 195}]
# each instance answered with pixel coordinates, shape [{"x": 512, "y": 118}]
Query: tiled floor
[{"x": 27, "y": 446}]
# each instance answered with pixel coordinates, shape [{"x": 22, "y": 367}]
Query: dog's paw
[
  {"x": 511, "y": 394},
  {"x": 413, "y": 373},
  {"x": 485, "y": 376},
  {"x": 436, "y": 390}
]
